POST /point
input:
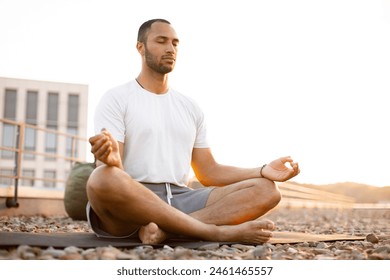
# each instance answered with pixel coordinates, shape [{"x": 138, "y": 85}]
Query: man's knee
[
  {"x": 269, "y": 192},
  {"x": 100, "y": 180}
]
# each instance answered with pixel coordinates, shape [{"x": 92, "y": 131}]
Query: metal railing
[{"x": 18, "y": 150}]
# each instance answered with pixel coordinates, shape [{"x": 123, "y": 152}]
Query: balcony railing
[{"x": 14, "y": 155}]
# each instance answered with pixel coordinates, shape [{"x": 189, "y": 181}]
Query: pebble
[
  {"x": 382, "y": 249},
  {"x": 320, "y": 251},
  {"x": 89, "y": 254},
  {"x": 324, "y": 257},
  {"x": 211, "y": 246},
  {"x": 321, "y": 245},
  {"x": 372, "y": 238},
  {"x": 371, "y": 224},
  {"x": 292, "y": 250},
  {"x": 261, "y": 252},
  {"x": 242, "y": 247},
  {"x": 55, "y": 253}
]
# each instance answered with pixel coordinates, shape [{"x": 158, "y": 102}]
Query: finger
[
  {"x": 99, "y": 143},
  {"x": 286, "y": 159},
  {"x": 93, "y": 139},
  {"x": 96, "y": 138},
  {"x": 109, "y": 135},
  {"x": 296, "y": 169},
  {"x": 104, "y": 150},
  {"x": 103, "y": 157}
]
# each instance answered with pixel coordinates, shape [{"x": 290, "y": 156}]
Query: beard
[{"x": 151, "y": 62}]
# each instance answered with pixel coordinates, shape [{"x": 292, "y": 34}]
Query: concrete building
[{"x": 49, "y": 113}]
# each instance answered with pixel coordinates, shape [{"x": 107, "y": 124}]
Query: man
[{"x": 148, "y": 136}]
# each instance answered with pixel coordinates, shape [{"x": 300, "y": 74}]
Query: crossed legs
[
  {"x": 123, "y": 205},
  {"x": 239, "y": 202}
]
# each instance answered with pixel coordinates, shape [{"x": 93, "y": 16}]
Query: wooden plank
[
  {"x": 319, "y": 193},
  {"x": 33, "y": 207},
  {"x": 296, "y": 202},
  {"x": 30, "y": 192}
]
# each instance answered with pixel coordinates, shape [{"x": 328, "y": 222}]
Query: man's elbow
[
  {"x": 205, "y": 182},
  {"x": 211, "y": 181}
]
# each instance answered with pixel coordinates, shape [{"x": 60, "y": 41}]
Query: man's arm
[{"x": 211, "y": 173}]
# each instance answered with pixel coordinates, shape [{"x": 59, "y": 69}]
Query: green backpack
[{"x": 75, "y": 199}]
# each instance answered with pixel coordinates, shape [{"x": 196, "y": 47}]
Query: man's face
[{"x": 161, "y": 48}]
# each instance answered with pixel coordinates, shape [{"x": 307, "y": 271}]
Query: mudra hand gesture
[
  {"x": 277, "y": 170},
  {"x": 106, "y": 149}
]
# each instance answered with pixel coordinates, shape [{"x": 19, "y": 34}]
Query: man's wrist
[{"x": 261, "y": 170}]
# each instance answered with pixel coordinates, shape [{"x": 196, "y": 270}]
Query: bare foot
[
  {"x": 257, "y": 231},
  {"x": 151, "y": 234}
]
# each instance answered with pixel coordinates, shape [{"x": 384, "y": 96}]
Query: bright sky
[{"x": 302, "y": 78}]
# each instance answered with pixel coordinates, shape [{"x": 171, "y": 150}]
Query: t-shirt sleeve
[
  {"x": 201, "y": 140},
  {"x": 109, "y": 114}
]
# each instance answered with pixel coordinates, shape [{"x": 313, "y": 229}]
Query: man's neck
[{"x": 153, "y": 82}]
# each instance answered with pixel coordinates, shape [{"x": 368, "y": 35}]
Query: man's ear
[{"x": 140, "y": 47}]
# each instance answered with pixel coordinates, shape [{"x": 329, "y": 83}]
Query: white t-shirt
[{"x": 159, "y": 132}]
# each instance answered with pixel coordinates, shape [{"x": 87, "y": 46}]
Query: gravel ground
[{"x": 373, "y": 224}]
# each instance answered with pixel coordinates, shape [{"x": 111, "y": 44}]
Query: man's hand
[
  {"x": 278, "y": 171},
  {"x": 106, "y": 149}
]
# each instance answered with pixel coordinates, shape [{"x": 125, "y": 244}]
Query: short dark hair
[{"x": 145, "y": 27}]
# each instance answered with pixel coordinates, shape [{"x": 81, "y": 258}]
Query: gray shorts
[{"x": 182, "y": 198}]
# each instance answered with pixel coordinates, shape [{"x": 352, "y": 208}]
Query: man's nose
[{"x": 170, "y": 49}]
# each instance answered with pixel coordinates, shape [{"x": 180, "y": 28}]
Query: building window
[
  {"x": 73, "y": 110},
  {"x": 5, "y": 175},
  {"x": 9, "y": 130},
  {"x": 31, "y": 118},
  {"x": 9, "y": 140},
  {"x": 51, "y": 143},
  {"x": 29, "y": 179},
  {"x": 51, "y": 175},
  {"x": 10, "y": 104},
  {"x": 52, "y": 109},
  {"x": 30, "y": 136},
  {"x": 73, "y": 120},
  {"x": 31, "y": 107},
  {"x": 52, "y": 123},
  {"x": 71, "y": 143}
]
